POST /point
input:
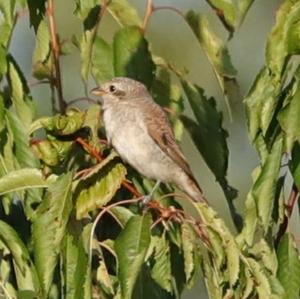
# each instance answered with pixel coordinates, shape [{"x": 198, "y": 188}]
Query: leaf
[
  {"x": 227, "y": 11},
  {"x": 49, "y": 228},
  {"x": 78, "y": 277},
  {"x": 122, "y": 214},
  {"x": 288, "y": 117},
  {"x": 25, "y": 272},
  {"x": 161, "y": 270},
  {"x": 37, "y": 10},
  {"x": 25, "y": 178},
  {"x": 217, "y": 54},
  {"x": 210, "y": 139},
  {"x": 102, "y": 187},
  {"x": 61, "y": 125},
  {"x": 22, "y": 149},
  {"x": 124, "y": 13},
  {"x": 41, "y": 54},
  {"x": 19, "y": 93},
  {"x": 3, "y": 62},
  {"x": 7, "y": 22},
  {"x": 191, "y": 250},
  {"x": 132, "y": 57},
  {"x": 131, "y": 248},
  {"x": 102, "y": 61},
  {"x": 289, "y": 266},
  {"x": 210, "y": 219},
  {"x": 87, "y": 41},
  {"x": 264, "y": 188}
]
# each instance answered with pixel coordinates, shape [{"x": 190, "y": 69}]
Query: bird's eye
[{"x": 112, "y": 88}]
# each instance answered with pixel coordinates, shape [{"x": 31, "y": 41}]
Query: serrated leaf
[
  {"x": 131, "y": 248},
  {"x": 25, "y": 272},
  {"x": 210, "y": 218},
  {"x": 102, "y": 61},
  {"x": 41, "y": 52},
  {"x": 78, "y": 277},
  {"x": 52, "y": 152},
  {"x": 25, "y": 178},
  {"x": 210, "y": 139},
  {"x": 191, "y": 253},
  {"x": 264, "y": 188},
  {"x": 124, "y": 13},
  {"x": 61, "y": 125},
  {"x": 20, "y": 134},
  {"x": 161, "y": 270},
  {"x": 103, "y": 187},
  {"x": 19, "y": 91},
  {"x": 132, "y": 57},
  {"x": 289, "y": 266},
  {"x": 37, "y": 10},
  {"x": 49, "y": 228},
  {"x": 7, "y": 9},
  {"x": 217, "y": 54},
  {"x": 288, "y": 116}
]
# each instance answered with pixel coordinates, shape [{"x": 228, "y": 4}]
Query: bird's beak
[{"x": 97, "y": 91}]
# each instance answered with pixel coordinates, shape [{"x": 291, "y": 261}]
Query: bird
[{"x": 139, "y": 130}]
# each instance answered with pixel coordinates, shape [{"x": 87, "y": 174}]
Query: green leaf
[
  {"x": 264, "y": 188},
  {"x": 20, "y": 134},
  {"x": 25, "y": 178},
  {"x": 37, "y": 10},
  {"x": 131, "y": 248},
  {"x": 41, "y": 54},
  {"x": 190, "y": 249},
  {"x": 98, "y": 189},
  {"x": 210, "y": 139},
  {"x": 122, "y": 214},
  {"x": 49, "y": 228},
  {"x": 19, "y": 93},
  {"x": 124, "y": 13},
  {"x": 61, "y": 125},
  {"x": 288, "y": 116},
  {"x": 78, "y": 277},
  {"x": 24, "y": 269},
  {"x": 217, "y": 54},
  {"x": 7, "y": 23},
  {"x": 289, "y": 267},
  {"x": 102, "y": 61},
  {"x": 3, "y": 62},
  {"x": 132, "y": 57},
  {"x": 227, "y": 11},
  {"x": 213, "y": 46},
  {"x": 161, "y": 271},
  {"x": 210, "y": 219},
  {"x": 52, "y": 152}
]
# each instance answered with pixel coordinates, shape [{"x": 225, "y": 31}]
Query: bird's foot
[{"x": 146, "y": 199}]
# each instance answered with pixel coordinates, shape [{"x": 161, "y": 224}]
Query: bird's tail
[{"x": 190, "y": 186}]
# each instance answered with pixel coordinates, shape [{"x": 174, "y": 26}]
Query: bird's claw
[{"x": 146, "y": 199}]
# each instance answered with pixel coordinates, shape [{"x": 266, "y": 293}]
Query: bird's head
[{"x": 120, "y": 89}]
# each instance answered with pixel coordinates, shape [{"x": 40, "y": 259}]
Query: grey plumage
[{"x": 139, "y": 130}]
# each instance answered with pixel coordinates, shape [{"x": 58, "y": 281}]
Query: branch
[
  {"x": 289, "y": 210},
  {"x": 148, "y": 12},
  {"x": 55, "y": 52}
]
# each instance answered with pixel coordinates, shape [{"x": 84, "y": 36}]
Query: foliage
[{"x": 71, "y": 222}]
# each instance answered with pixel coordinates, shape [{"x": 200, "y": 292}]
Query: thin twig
[
  {"x": 82, "y": 99},
  {"x": 56, "y": 52},
  {"x": 148, "y": 13},
  {"x": 171, "y": 8},
  {"x": 99, "y": 216}
]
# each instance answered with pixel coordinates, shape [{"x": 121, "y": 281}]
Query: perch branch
[{"x": 55, "y": 53}]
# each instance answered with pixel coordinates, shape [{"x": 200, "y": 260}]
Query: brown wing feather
[{"x": 159, "y": 129}]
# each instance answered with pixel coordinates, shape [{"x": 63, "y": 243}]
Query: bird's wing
[{"x": 159, "y": 129}]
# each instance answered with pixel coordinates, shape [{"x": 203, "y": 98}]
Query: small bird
[{"x": 140, "y": 132}]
